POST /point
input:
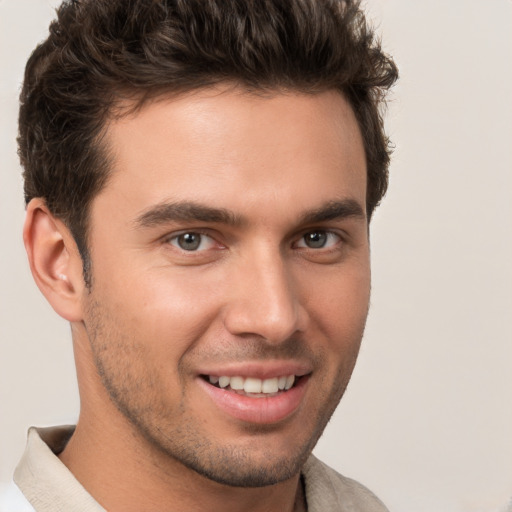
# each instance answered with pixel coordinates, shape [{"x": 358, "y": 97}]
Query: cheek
[
  {"x": 165, "y": 313},
  {"x": 341, "y": 317},
  {"x": 339, "y": 306}
]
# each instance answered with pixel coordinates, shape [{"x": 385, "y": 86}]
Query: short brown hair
[{"x": 102, "y": 52}]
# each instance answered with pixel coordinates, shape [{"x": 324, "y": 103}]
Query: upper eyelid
[
  {"x": 198, "y": 231},
  {"x": 299, "y": 244},
  {"x": 221, "y": 239},
  {"x": 328, "y": 231},
  {"x": 335, "y": 231},
  {"x": 214, "y": 241}
]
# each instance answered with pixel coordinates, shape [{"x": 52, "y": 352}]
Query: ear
[{"x": 54, "y": 260}]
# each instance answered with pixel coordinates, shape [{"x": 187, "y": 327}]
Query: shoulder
[{"x": 327, "y": 490}]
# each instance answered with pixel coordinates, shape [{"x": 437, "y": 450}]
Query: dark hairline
[{"x": 95, "y": 67}]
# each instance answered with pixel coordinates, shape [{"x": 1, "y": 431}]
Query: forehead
[{"x": 231, "y": 148}]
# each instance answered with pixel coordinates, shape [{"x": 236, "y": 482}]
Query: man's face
[{"x": 230, "y": 250}]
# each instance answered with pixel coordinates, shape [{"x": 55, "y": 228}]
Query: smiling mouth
[{"x": 252, "y": 386}]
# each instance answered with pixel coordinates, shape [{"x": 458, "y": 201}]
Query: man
[{"x": 199, "y": 179}]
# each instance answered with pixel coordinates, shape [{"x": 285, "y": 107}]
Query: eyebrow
[
  {"x": 186, "y": 211},
  {"x": 334, "y": 210},
  {"x": 181, "y": 211}
]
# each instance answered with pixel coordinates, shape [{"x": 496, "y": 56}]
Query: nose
[{"x": 265, "y": 300}]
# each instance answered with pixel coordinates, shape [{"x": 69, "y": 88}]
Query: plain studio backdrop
[{"x": 426, "y": 422}]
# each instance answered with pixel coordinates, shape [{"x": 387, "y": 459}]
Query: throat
[{"x": 300, "y": 504}]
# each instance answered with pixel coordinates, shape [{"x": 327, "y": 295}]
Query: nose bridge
[{"x": 265, "y": 301}]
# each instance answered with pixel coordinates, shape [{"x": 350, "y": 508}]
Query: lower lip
[{"x": 260, "y": 410}]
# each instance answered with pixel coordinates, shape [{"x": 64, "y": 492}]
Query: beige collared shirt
[{"x": 50, "y": 487}]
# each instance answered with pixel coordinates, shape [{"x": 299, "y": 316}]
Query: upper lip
[{"x": 258, "y": 369}]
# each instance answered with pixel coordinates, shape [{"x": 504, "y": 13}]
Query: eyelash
[
  {"x": 329, "y": 235},
  {"x": 199, "y": 233}
]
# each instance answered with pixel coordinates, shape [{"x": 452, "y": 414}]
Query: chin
[{"x": 241, "y": 470}]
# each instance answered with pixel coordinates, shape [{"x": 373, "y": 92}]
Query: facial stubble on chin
[{"x": 137, "y": 396}]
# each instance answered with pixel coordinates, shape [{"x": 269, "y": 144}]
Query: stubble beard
[{"x": 137, "y": 396}]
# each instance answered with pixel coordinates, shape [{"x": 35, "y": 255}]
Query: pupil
[
  {"x": 316, "y": 239},
  {"x": 189, "y": 241}
]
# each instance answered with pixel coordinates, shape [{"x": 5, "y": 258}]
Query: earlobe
[{"x": 54, "y": 260}]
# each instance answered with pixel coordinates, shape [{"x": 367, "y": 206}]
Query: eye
[
  {"x": 319, "y": 239},
  {"x": 192, "y": 241}
]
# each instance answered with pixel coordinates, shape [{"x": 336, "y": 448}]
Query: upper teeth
[{"x": 254, "y": 385}]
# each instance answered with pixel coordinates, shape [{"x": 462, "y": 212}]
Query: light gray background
[{"x": 427, "y": 420}]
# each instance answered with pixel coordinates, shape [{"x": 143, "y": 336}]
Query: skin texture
[{"x": 253, "y": 297}]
